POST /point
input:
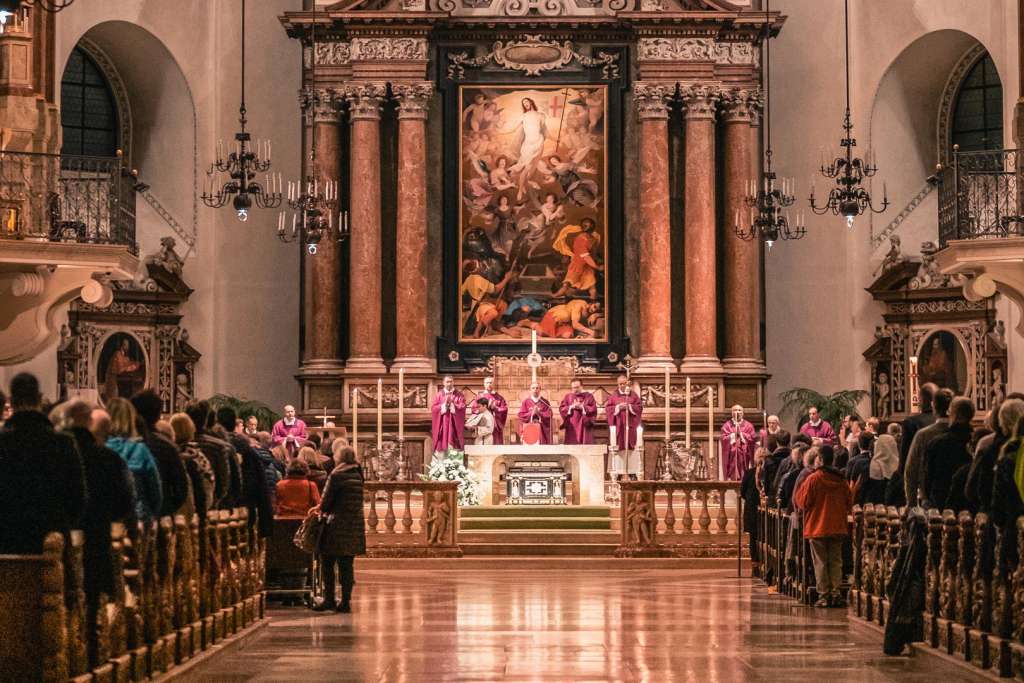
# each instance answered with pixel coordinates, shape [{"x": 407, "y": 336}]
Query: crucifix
[{"x": 325, "y": 417}]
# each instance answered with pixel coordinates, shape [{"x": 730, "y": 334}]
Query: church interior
[{"x": 511, "y": 340}]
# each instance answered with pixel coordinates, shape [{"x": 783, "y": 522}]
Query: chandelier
[
  {"x": 849, "y": 197},
  {"x": 241, "y": 164},
  {"x": 314, "y": 203},
  {"x": 8, "y": 8},
  {"x": 767, "y": 220}
]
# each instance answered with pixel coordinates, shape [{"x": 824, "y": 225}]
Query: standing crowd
[{"x": 935, "y": 458}]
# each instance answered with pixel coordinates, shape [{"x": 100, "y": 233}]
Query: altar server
[
  {"x": 448, "y": 419},
  {"x": 498, "y": 407},
  {"x": 578, "y": 410}
]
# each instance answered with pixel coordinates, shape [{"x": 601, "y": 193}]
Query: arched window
[
  {"x": 978, "y": 114},
  {"x": 88, "y": 112}
]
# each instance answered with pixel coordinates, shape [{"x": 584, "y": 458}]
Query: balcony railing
[
  {"x": 980, "y": 196},
  {"x": 61, "y": 198}
]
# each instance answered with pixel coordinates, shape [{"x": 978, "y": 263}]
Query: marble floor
[{"x": 546, "y": 625}]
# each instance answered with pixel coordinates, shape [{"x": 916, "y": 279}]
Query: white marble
[{"x": 588, "y": 470}]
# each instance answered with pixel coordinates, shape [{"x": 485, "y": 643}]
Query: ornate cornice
[
  {"x": 364, "y": 100},
  {"x": 319, "y": 105},
  {"x": 697, "y": 50},
  {"x": 741, "y": 105},
  {"x": 651, "y": 99},
  {"x": 413, "y": 99},
  {"x": 700, "y": 101},
  {"x": 328, "y": 54},
  {"x": 389, "y": 49},
  {"x": 533, "y": 55}
]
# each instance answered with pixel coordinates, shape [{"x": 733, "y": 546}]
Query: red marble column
[
  {"x": 322, "y": 324},
  {"x": 700, "y": 102},
  {"x": 742, "y": 277},
  {"x": 411, "y": 251},
  {"x": 651, "y": 101},
  {"x": 364, "y": 315}
]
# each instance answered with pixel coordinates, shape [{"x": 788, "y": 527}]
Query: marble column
[
  {"x": 651, "y": 100},
  {"x": 700, "y": 103},
  {"x": 742, "y": 277},
  {"x": 412, "y": 344},
  {"x": 364, "y": 315},
  {"x": 324, "y": 307}
]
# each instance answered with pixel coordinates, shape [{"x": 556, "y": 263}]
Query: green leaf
[
  {"x": 265, "y": 415},
  {"x": 833, "y": 407}
]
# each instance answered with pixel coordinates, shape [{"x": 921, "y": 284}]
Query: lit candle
[
  {"x": 711, "y": 422},
  {"x": 380, "y": 414},
  {"x": 668, "y": 401},
  {"x": 687, "y": 434},
  {"x": 401, "y": 403},
  {"x": 355, "y": 420}
]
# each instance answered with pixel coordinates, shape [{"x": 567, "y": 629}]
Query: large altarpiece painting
[{"x": 533, "y": 215}]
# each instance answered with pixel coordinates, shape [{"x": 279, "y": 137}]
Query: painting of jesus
[{"x": 533, "y": 213}]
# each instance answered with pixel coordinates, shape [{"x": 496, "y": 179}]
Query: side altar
[{"x": 580, "y": 469}]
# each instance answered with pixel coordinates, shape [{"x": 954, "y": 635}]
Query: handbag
[{"x": 307, "y": 538}]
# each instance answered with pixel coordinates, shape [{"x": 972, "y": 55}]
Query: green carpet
[
  {"x": 484, "y": 523},
  {"x": 515, "y": 511}
]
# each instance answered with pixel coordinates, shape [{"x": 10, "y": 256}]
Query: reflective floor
[{"x": 546, "y": 625}]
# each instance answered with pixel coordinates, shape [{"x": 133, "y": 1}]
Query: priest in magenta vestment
[
  {"x": 738, "y": 443},
  {"x": 578, "y": 410},
  {"x": 536, "y": 408},
  {"x": 624, "y": 411},
  {"x": 448, "y": 419}
]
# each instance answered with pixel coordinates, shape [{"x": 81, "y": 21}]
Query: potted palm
[{"x": 832, "y": 407}]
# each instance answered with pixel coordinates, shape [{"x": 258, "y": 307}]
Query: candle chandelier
[
  {"x": 314, "y": 204},
  {"x": 849, "y": 197},
  {"x": 241, "y": 164},
  {"x": 768, "y": 222},
  {"x": 8, "y": 8}
]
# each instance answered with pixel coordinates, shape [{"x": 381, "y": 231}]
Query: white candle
[
  {"x": 355, "y": 421},
  {"x": 668, "y": 401},
  {"x": 687, "y": 435},
  {"x": 611, "y": 436},
  {"x": 534, "y": 340},
  {"x": 711, "y": 421},
  {"x": 380, "y": 413},
  {"x": 401, "y": 403}
]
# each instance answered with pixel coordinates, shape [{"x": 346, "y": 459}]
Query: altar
[{"x": 584, "y": 467}]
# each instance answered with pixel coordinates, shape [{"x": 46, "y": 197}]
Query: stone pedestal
[
  {"x": 742, "y": 276},
  {"x": 651, "y": 100},
  {"x": 700, "y": 102},
  {"x": 365, "y": 219},
  {"x": 588, "y": 460},
  {"x": 411, "y": 248}
]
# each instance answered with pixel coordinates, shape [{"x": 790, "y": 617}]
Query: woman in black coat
[{"x": 344, "y": 535}]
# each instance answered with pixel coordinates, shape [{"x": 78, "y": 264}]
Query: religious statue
[
  {"x": 578, "y": 410},
  {"x": 882, "y": 391},
  {"x": 438, "y": 512},
  {"x": 289, "y": 432},
  {"x": 639, "y": 520},
  {"x": 535, "y": 417},
  {"x": 893, "y": 258},
  {"x": 167, "y": 258},
  {"x": 998, "y": 386},
  {"x": 448, "y": 420},
  {"x": 738, "y": 442},
  {"x": 498, "y": 407}
]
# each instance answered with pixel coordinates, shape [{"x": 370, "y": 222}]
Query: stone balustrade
[{"x": 433, "y": 533}]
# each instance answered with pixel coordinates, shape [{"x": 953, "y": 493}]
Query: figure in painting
[
  {"x": 538, "y": 227},
  {"x": 531, "y": 134},
  {"x": 124, "y": 375},
  {"x": 937, "y": 362},
  {"x": 566, "y": 320},
  {"x": 580, "y": 191},
  {"x": 578, "y": 242}
]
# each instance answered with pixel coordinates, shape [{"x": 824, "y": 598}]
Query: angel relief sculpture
[{"x": 533, "y": 211}]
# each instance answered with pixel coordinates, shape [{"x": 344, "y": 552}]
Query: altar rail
[
  {"x": 180, "y": 585},
  {"x": 973, "y": 603},
  {"x": 433, "y": 534},
  {"x": 696, "y": 520}
]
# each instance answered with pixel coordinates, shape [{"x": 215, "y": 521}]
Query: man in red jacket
[{"x": 826, "y": 501}]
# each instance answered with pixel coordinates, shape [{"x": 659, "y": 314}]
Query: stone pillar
[
  {"x": 364, "y": 315},
  {"x": 700, "y": 102},
  {"x": 742, "y": 277},
  {"x": 324, "y": 319},
  {"x": 411, "y": 249},
  {"x": 651, "y": 101}
]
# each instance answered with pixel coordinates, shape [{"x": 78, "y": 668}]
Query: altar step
[
  {"x": 531, "y": 517},
  {"x": 539, "y": 543}
]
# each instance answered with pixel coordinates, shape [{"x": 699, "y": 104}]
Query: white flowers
[{"x": 452, "y": 469}]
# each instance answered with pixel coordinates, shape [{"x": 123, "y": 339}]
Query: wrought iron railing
[
  {"x": 62, "y": 198},
  {"x": 980, "y": 196}
]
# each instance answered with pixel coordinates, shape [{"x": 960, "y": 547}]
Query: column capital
[
  {"x": 700, "y": 100},
  {"x": 742, "y": 105},
  {"x": 319, "y": 105},
  {"x": 413, "y": 99},
  {"x": 651, "y": 99},
  {"x": 364, "y": 100}
]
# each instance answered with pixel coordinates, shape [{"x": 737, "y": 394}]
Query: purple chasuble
[
  {"x": 578, "y": 421},
  {"x": 738, "y": 443},
  {"x": 537, "y": 411},
  {"x": 448, "y": 426},
  {"x": 626, "y": 420}
]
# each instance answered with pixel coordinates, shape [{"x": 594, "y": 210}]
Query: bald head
[
  {"x": 100, "y": 424},
  {"x": 78, "y": 413}
]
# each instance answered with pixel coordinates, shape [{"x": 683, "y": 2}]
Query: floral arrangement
[{"x": 451, "y": 468}]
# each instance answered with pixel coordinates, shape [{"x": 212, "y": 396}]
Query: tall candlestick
[
  {"x": 534, "y": 337},
  {"x": 355, "y": 421},
  {"x": 380, "y": 414},
  {"x": 711, "y": 423},
  {"x": 401, "y": 403},
  {"x": 687, "y": 435},
  {"x": 668, "y": 401}
]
